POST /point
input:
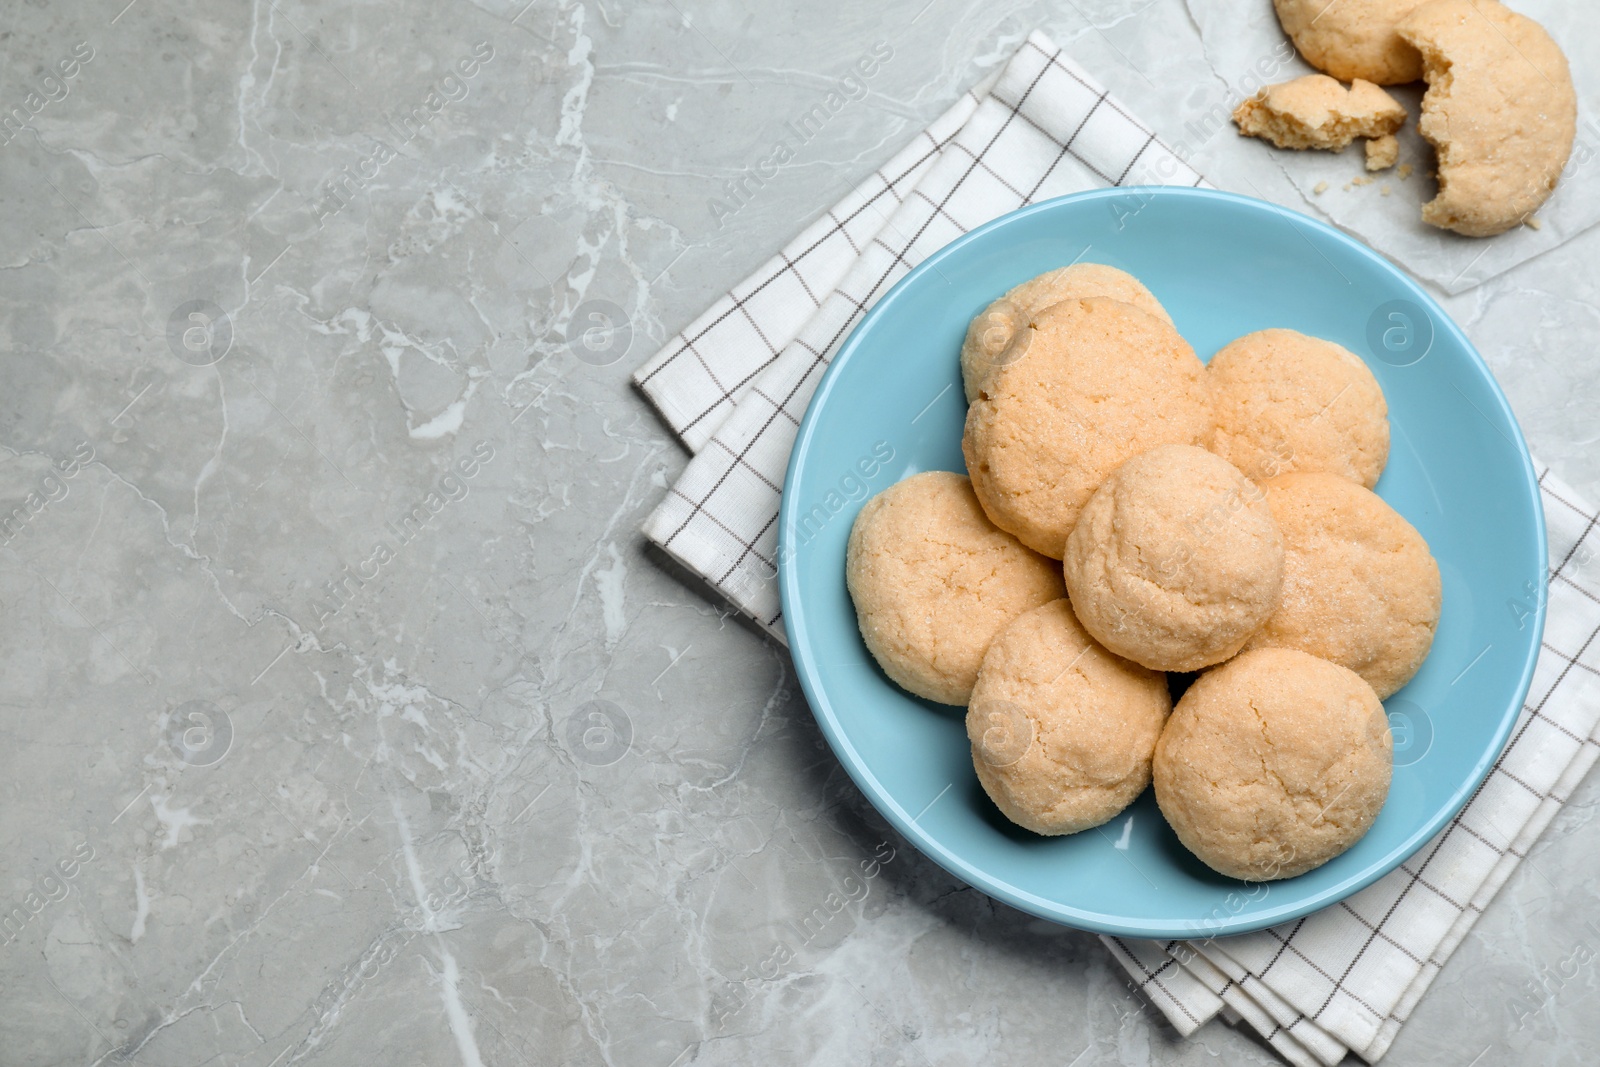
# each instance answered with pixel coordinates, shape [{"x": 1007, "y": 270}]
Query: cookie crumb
[
  {"x": 1383, "y": 152},
  {"x": 1533, "y": 223},
  {"x": 1383, "y": 190},
  {"x": 1406, "y": 170},
  {"x": 1361, "y": 181},
  {"x": 1321, "y": 188}
]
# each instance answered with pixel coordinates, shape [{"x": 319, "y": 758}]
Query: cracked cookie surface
[
  {"x": 1360, "y": 587},
  {"x": 1102, "y": 382},
  {"x": 1062, "y": 731},
  {"x": 1273, "y": 764},
  {"x": 933, "y": 581},
  {"x": 995, "y": 336},
  {"x": 1176, "y": 560},
  {"x": 1317, "y": 112},
  {"x": 1288, "y": 402}
]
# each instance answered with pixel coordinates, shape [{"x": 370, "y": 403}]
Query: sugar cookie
[
  {"x": 1000, "y": 334},
  {"x": 1500, "y": 109},
  {"x": 1175, "y": 561},
  {"x": 1352, "y": 39},
  {"x": 1102, "y": 382},
  {"x": 933, "y": 581},
  {"x": 1360, "y": 587},
  {"x": 1062, "y": 731},
  {"x": 1288, "y": 402},
  {"x": 1273, "y": 764},
  {"x": 1317, "y": 112}
]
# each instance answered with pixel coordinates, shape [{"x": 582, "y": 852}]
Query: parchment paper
[{"x": 1243, "y": 37}]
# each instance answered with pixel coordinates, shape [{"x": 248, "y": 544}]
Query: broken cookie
[
  {"x": 1353, "y": 38},
  {"x": 1318, "y": 112},
  {"x": 1500, "y": 110}
]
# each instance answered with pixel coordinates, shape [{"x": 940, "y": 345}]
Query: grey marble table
[{"x": 348, "y": 719}]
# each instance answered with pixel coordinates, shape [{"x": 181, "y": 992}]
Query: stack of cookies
[{"x": 1215, "y": 519}]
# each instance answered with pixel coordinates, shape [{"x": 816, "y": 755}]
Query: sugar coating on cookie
[
  {"x": 1288, "y": 402},
  {"x": 933, "y": 581},
  {"x": 1500, "y": 109},
  {"x": 1102, "y": 382},
  {"x": 1001, "y": 334},
  {"x": 1273, "y": 764},
  {"x": 1383, "y": 152},
  {"x": 1353, "y": 38},
  {"x": 1062, "y": 731},
  {"x": 1360, "y": 587},
  {"x": 1317, "y": 112},
  {"x": 1176, "y": 560}
]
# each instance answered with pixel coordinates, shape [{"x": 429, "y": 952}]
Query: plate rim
[{"x": 796, "y": 625}]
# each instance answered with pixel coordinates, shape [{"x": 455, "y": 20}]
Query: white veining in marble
[{"x": 347, "y": 718}]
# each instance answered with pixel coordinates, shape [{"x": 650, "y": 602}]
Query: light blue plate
[{"x": 892, "y": 404}]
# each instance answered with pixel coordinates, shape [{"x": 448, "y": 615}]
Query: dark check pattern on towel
[{"x": 1045, "y": 130}]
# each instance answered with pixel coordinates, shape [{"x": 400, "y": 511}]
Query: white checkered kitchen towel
[{"x": 734, "y": 384}]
